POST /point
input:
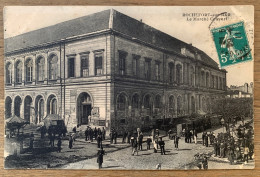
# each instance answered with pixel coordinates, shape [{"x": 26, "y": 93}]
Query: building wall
[
  {"x": 98, "y": 87},
  {"x": 192, "y": 85}
]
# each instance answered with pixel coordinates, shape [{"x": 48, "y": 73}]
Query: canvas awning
[
  {"x": 15, "y": 120},
  {"x": 50, "y": 119}
]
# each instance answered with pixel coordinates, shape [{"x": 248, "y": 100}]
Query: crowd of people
[{"x": 236, "y": 146}]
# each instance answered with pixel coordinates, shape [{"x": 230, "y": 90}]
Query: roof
[
  {"x": 108, "y": 19},
  {"x": 83, "y": 25}
]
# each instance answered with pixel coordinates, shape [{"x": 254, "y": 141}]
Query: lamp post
[{"x": 222, "y": 123}]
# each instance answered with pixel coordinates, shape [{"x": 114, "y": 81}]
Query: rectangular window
[
  {"x": 135, "y": 65},
  {"x": 147, "y": 69},
  {"x": 71, "y": 67},
  {"x": 122, "y": 62},
  {"x": 29, "y": 74},
  {"x": 98, "y": 64},
  {"x": 40, "y": 72},
  {"x": 84, "y": 65},
  {"x": 157, "y": 71}
]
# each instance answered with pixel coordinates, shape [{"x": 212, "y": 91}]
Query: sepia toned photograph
[{"x": 129, "y": 87}]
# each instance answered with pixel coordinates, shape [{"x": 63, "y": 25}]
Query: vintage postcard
[{"x": 134, "y": 87}]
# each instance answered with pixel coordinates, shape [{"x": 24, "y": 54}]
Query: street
[{"x": 83, "y": 155}]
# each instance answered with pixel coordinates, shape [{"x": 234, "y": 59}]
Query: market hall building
[{"x": 107, "y": 69}]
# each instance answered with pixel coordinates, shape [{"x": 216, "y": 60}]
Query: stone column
[
  {"x": 77, "y": 66},
  {"x": 46, "y": 71},
  {"x": 23, "y": 71},
  {"x": 91, "y": 64},
  {"x": 34, "y": 69},
  {"x": 13, "y": 72}
]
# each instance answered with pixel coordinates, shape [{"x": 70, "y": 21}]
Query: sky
[{"x": 172, "y": 20}]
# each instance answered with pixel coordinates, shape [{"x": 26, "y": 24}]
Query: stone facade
[{"x": 109, "y": 79}]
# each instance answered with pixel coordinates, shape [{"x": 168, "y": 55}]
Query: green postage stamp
[{"x": 231, "y": 44}]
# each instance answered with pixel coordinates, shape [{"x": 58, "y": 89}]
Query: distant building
[
  {"x": 107, "y": 69},
  {"x": 243, "y": 91}
]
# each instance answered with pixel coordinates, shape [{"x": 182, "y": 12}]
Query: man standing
[
  {"x": 177, "y": 142},
  {"x": 100, "y": 154},
  {"x": 103, "y": 133},
  {"x": 135, "y": 144},
  {"x": 111, "y": 134},
  {"x": 162, "y": 144},
  {"x": 140, "y": 141},
  {"x": 59, "y": 144},
  {"x": 86, "y": 134},
  {"x": 70, "y": 141},
  {"x": 99, "y": 141},
  {"x": 148, "y": 141},
  {"x": 115, "y": 136}
]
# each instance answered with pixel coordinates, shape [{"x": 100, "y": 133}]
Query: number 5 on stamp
[{"x": 231, "y": 44}]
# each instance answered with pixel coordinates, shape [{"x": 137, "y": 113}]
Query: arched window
[
  {"x": 53, "y": 66},
  {"x": 207, "y": 79},
  {"x": 216, "y": 78},
  {"x": 178, "y": 74},
  {"x": 220, "y": 84},
  {"x": 29, "y": 70},
  {"x": 40, "y": 69},
  {"x": 171, "y": 72},
  {"x": 202, "y": 80},
  {"x": 17, "y": 106},
  {"x": 52, "y": 105},
  {"x": 135, "y": 101},
  {"x": 157, "y": 103},
  {"x": 8, "y": 107},
  {"x": 8, "y": 75},
  {"x": 147, "y": 102},
  {"x": 192, "y": 76},
  {"x": 204, "y": 104},
  {"x": 179, "y": 104},
  {"x": 41, "y": 109},
  {"x": 121, "y": 102},
  {"x": 171, "y": 106},
  {"x": 19, "y": 70},
  {"x": 193, "y": 108},
  {"x": 27, "y": 108}
]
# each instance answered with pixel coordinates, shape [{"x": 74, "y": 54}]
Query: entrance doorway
[{"x": 84, "y": 106}]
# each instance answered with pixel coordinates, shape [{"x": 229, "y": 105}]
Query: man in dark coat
[
  {"x": 100, "y": 154},
  {"x": 86, "y": 134},
  {"x": 115, "y": 136},
  {"x": 203, "y": 138},
  {"x": 124, "y": 136},
  {"x": 91, "y": 133},
  {"x": 128, "y": 137},
  {"x": 99, "y": 141},
  {"x": 140, "y": 141},
  {"x": 111, "y": 135},
  {"x": 59, "y": 144},
  {"x": 162, "y": 144},
  {"x": 95, "y": 133},
  {"x": 205, "y": 163},
  {"x": 177, "y": 142},
  {"x": 70, "y": 141},
  {"x": 103, "y": 133},
  {"x": 148, "y": 141}
]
